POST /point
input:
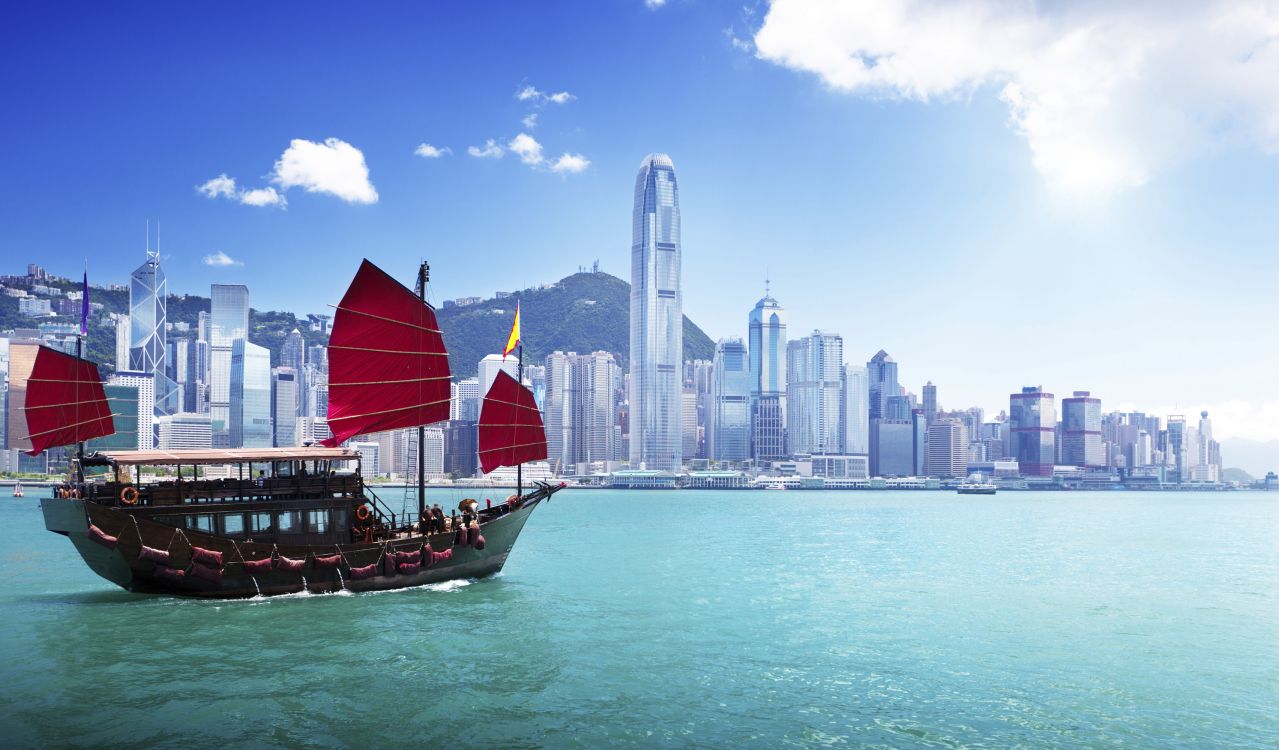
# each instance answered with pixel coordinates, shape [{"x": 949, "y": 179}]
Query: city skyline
[{"x": 869, "y": 185}]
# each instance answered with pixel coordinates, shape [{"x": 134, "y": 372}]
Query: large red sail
[
  {"x": 511, "y": 430},
  {"x": 387, "y": 363},
  {"x": 65, "y": 402}
]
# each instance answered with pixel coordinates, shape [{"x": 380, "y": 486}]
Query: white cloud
[
  {"x": 427, "y": 151},
  {"x": 221, "y": 259},
  {"x": 532, "y": 94},
  {"x": 334, "y": 167},
  {"x": 654, "y": 4},
  {"x": 218, "y": 187},
  {"x": 491, "y": 150},
  {"x": 1105, "y": 94},
  {"x": 225, "y": 187},
  {"x": 530, "y": 121},
  {"x": 266, "y": 196},
  {"x": 527, "y": 148},
  {"x": 570, "y": 164}
]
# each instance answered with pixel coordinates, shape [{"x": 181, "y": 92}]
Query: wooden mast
[{"x": 423, "y": 276}]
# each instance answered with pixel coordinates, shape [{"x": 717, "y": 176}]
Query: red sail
[
  {"x": 65, "y": 402},
  {"x": 510, "y": 425},
  {"x": 387, "y": 363}
]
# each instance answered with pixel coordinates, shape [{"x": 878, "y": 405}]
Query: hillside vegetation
[{"x": 582, "y": 313}]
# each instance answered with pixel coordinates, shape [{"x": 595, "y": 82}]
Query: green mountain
[{"x": 582, "y": 313}]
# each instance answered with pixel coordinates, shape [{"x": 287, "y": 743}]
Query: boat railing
[
  {"x": 181, "y": 492},
  {"x": 381, "y": 510}
]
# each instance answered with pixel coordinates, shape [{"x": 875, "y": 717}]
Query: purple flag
[{"x": 84, "y": 307}]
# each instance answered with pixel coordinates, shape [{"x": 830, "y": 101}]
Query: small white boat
[
  {"x": 17, "y": 490},
  {"x": 976, "y": 484}
]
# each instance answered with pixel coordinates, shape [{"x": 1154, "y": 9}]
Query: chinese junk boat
[{"x": 272, "y": 521}]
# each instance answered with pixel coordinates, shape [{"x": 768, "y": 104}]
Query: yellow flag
[{"x": 514, "y": 338}]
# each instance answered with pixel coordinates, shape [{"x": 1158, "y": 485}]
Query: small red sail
[
  {"x": 511, "y": 430},
  {"x": 387, "y": 363},
  {"x": 65, "y": 402}
]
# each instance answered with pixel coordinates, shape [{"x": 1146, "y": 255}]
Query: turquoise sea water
[{"x": 711, "y": 619}]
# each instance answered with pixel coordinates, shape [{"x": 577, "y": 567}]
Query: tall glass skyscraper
[
  {"x": 728, "y": 424},
  {"x": 1032, "y": 416},
  {"x": 250, "y": 402},
  {"x": 657, "y": 318},
  {"x": 148, "y": 315},
  {"x": 814, "y": 372},
  {"x": 882, "y": 371},
  {"x": 767, "y": 326},
  {"x": 228, "y": 323}
]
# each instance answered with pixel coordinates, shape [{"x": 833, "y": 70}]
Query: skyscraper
[
  {"x": 148, "y": 292},
  {"x": 657, "y": 318},
  {"x": 947, "y": 448},
  {"x": 1032, "y": 416},
  {"x": 855, "y": 415},
  {"x": 491, "y": 365},
  {"x": 882, "y": 371},
  {"x": 284, "y": 407},
  {"x": 293, "y": 353},
  {"x": 930, "y": 402},
  {"x": 228, "y": 323},
  {"x": 728, "y": 437},
  {"x": 814, "y": 374},
  {"x": 250, "y": 396},
  {"x": 767, "y": 347},
  {"x": 580, "y": 418},
  {"x": 1081, "y": 431}
]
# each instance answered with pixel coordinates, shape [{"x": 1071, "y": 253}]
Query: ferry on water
[
  {"x": 976, "y": 484},
  {"x": 288, "y": 519}
]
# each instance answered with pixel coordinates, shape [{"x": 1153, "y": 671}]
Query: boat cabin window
[
  {"x": 233, "y": 524},
  {"x": 283, "y": 468},
  {"x": 339, "y": 518},
  {"x": 317, "y": 521},
  {"x": 201, "y": 522},
  {"x": 260, "y": 523},
  {"x": 290, "y": 521}
]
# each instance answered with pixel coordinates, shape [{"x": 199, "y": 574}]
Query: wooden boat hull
[{"x": 122, "y": 565}]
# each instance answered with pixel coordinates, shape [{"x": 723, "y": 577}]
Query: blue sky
[{"x": 988, "y": 220}]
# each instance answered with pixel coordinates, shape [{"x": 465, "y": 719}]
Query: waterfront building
[
  {"x": 767, "y": 348},
  {"x": 184, "y": 432},
  {"x": 855, "y": 412},
  {"x": 690, "y": 432},
  {"x": 148, "y": 294},
  {"x": 370, "y": 457},
  {"x": 142, "y": 385},
  {"x": 284, "y": 407},
  {"x": 814, "y": 372},
  {"x": 837, "y": 466},
  {"x": 1081, "y": 431},
  {"x": 249, "y": 394},
  {"x": 579, "y": 413},
  {"x": 491, "y": 365},
  {"x": 892, "y": 448},
  {"x": 312, "y": 430},
  {"x": 881, "y": 372},
  {"x": 729, "y": 424},
  {"x": 467, "y": 399},
  {"x": 293, "y": 353},
  {"x": 947, "y": 448},
  {"x": 930, "y": 402},
  {"x": 122, "y": 331},
  {"x": 123, "y": 400},
  {"x": 461, "y": 443},
  {"x": 656, "y": 319},
  {"x": 1032, "y": 422},
  {"x": 228, "y": 323}
]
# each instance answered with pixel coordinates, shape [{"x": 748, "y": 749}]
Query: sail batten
[
  {"x": 511, "y": 431},
  {"x": 62, "y": 401},
  {"x": 388, "y": 367}
]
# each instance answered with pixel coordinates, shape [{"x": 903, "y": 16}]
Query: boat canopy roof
[{"x": 219, "y": 456}]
